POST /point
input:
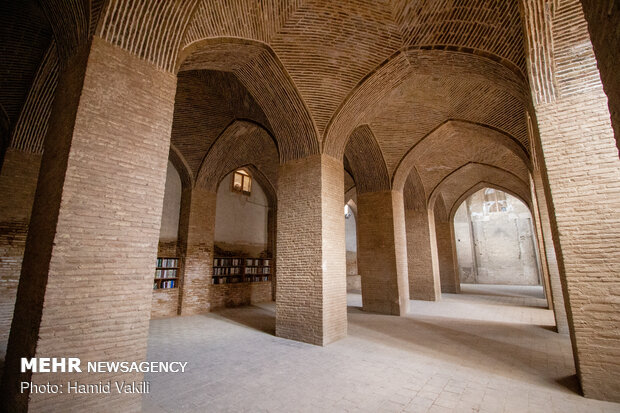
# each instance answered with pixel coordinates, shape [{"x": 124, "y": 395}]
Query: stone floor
[{"x": 489, "y": 349}]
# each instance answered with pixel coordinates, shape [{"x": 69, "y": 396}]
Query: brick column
[
  {"x": 541, "y": 257},
  {"x": 86, "y": 281},
  {"x": 547, "y": 247},
  {"x": 581, "y": 164},
  {"x": 450, "y": 282},
  {"x": 18, "y": 178},
  {"x": 196, "y": 231},
  {"x": 424, "y": 281},
  {"x": 382, "y": 252},
  {"x": 311, "y": 301}
]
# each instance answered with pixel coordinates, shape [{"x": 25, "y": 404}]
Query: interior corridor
[{"x": 489, "y": 349}]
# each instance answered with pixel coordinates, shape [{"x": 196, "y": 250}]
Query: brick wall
[
  {"x": 234, "y": 295},
  {"x": 382, "y": 244},
  {"x": 86, "y": 283},
  {"x": 18, "y": 182},
  {"x": 542, "y": 254},
  {"x": 165, "y": 302},
  {"x": 580, "y": 160},
  {"x": 311, "y": 289},
  {"x": 603, "y": 21},
  {"x": 584, "y": 179},
  {"x": 450, "y": 282},
  {"x": 197, "y": 261},
  {"x": 421, "y": 276},
  {"x": 557, "y": 296}
]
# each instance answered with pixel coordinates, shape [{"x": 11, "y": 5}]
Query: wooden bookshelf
[
  {"x": 230, "y": 270},
  {"x": 166, "y": 273}
]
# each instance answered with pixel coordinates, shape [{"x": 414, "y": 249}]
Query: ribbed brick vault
[
  {"x": 316, "y": 69},
  {"x": 242, "y": 143},
  {"x": 343, "y": 64}
]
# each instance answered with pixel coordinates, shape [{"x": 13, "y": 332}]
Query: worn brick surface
[
  {"x": 238, "y": 294},
  {"x": 197, "y": 257},
  {"x": 557, "y": 296},
  {"x": 382, "y": 244},
  {"x": 18, "y": 178},
  {"x": 311, "y": 288},
  {"x": 603, "y": 22},
  {"x": 445, "y": 244},
  {"x": 95, "y": 225},
  {"x": 422, "y": 285},
  {"x": 581, "y": 159},
  {"x": 586, "y": 231}
]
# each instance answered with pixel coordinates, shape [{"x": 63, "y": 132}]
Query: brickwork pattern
[
  {"x": 261, "y": 72},
  {"x": 587, "y": 231},
  {"x": 206, "y": 104},
  {"x": 18, "y": 178},
  {"x": 469, "y": 143},
  {"x": 165, "y": 303},
  {"x": 421, "y": 276},
  {"x": 319, "y": 35},
  {"x": 540, "y": 243},
  {"x": 380, "y": 252},
  {"x": 450, "y": 282},
  {"x": 603, "y": 21},
  {"x": 241, "y": 143},
  {"x": 197, "y": 261},
  {"x": 26, "y": 36},
  {"x": 105, "y": 214},
  {"x": 365, "y": 161},
  {"x": 235, "y": 295},
  {"x": 557, "y": 296},
  {"x": 311, "y": 288},
  {"x": 581, "y": 159}
]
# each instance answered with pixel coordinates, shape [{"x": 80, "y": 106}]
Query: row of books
[
  {"x": 238, "y": 279},
  {"x": 227, "y": 262},
  {"x": 166, "y": 273},
  {"x": 226, "y": 270},
  {"x": 255, "y": 262},
  {"x": 165, "y": 284},
  {"x": 257, "y": 270},
  {"x": 167, "y": 262},
  {"x": 237, "y": 262}
]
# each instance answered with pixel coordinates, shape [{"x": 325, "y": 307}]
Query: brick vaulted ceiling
[{"x": 401, "y": 68}]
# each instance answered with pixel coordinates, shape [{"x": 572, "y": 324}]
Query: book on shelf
[{"x": 227, "y": 270}]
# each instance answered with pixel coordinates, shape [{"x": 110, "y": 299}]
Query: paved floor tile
[{"x": 489, "y": 349}]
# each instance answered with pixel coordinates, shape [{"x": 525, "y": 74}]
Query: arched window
[
  {"x": 494, "y": 201},
  {"x": 347, "y": 212},
  {"x": 242, "y": 182}
]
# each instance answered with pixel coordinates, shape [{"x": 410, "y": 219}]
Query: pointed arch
[
  {"x": 454, "y": 143},
  {"x": 241, "y": 143},
  {"x": 472, "y": 174},
  {"x": 261, "y": 72},
  {"x": 407, "y": 65},
  {"x": 366, "y": 162},
  {"x": 180, "y": 164}
]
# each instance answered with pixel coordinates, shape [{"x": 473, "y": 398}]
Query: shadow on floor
[
  {"x": 483, "y": 345},
  {"x": 571, "y": 383},
  {"x": 255, "y": 317}
]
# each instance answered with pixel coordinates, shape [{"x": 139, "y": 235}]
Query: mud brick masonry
[{"x": 401, "y": 109}]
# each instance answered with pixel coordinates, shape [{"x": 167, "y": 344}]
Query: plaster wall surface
[
  {"x": 172, "y": 206},
  {"x": 241, "y": 220},
  {"x": 503, "y": 243}
]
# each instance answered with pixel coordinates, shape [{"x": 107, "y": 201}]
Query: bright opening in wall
[
  {"x": 495, "y": 201},
  {"x": 347, "y": 212},
  {"x": 242, "y": 182},
  {"x": 495, "y": 241}
]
